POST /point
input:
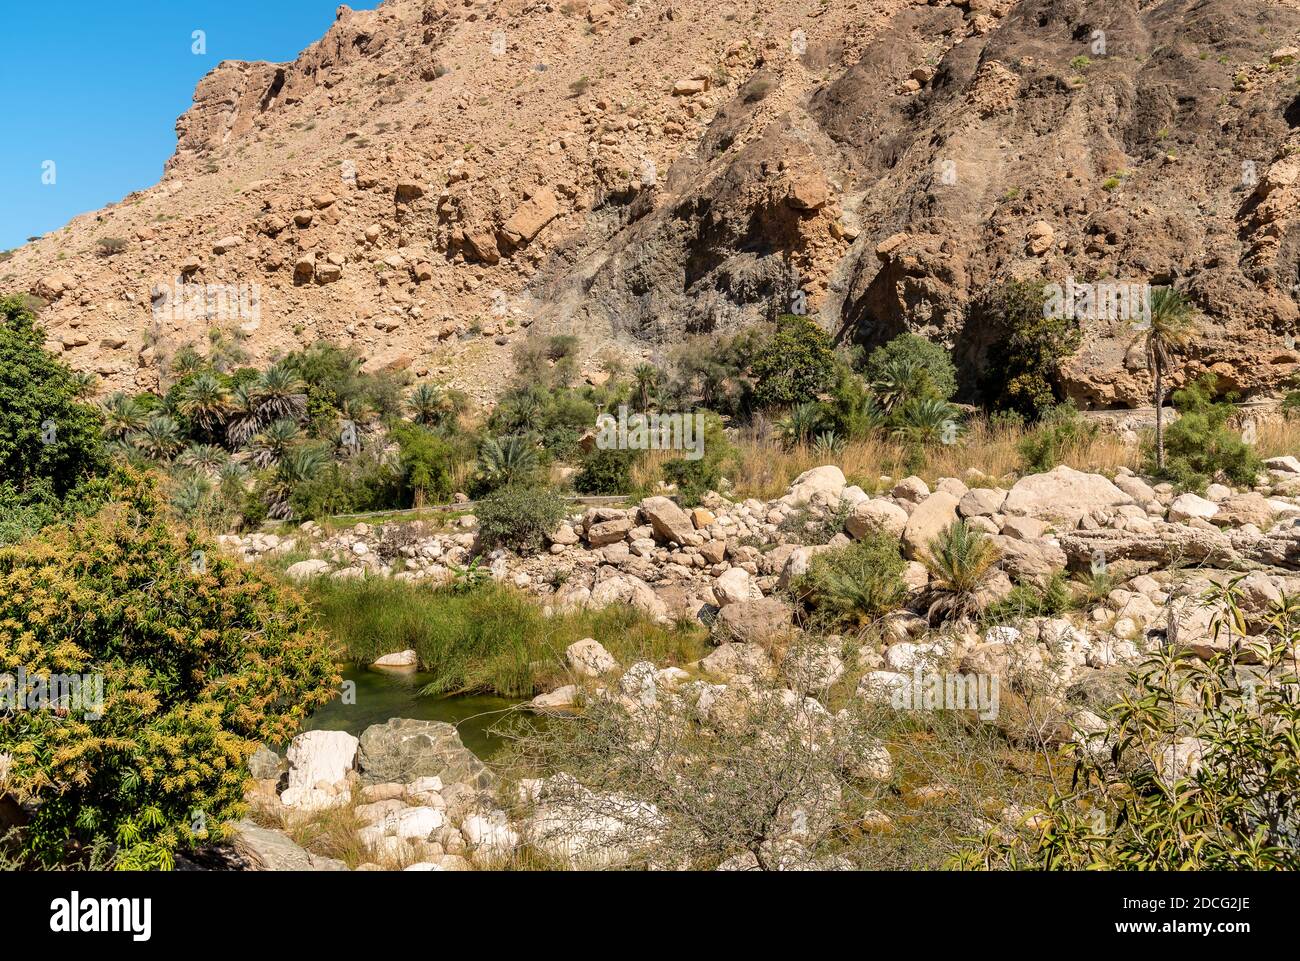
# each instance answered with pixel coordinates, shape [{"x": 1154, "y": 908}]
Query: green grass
[{"x": 491, "y": 640}]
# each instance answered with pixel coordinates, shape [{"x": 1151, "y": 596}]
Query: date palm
[
  {"x": 1172, "y": 325},
  {"x": 204, "y": 400},
  {"x": 123, "y": 414},
  {"x": 646, "y": 379},
  {"x": 960, "y": 561},
  {"x": 159, "y": 439},
  {"x": 203, "y": 458},
  {"x": 242, "y": 421},
  {"x": 280, "y": 394},
  {"x": 897, "y": 381},
  {"x": 507, "y": 459},
  {"x": 270, "y": 445},
  {"x": 428, "y": 405}
]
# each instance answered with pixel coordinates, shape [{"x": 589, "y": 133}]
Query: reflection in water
[{"x": 381, "y": 695}]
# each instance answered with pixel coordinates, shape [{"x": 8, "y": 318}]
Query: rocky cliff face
[{"x": 429, "y": 180}]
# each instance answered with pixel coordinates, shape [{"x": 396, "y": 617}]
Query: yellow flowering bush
[{"x": 164, "y": 664}]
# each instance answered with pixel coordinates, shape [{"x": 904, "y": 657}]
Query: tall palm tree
[
  {"x": 204, "y": 400},
  {"x": 646, "y": 377},
  {"x": 280, "y": 394},
  {"x": 428, "y": 404},
  {"x": 1172, "y": 325}
]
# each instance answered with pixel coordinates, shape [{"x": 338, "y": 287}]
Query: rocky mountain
[{"x": 431, "y": 180}]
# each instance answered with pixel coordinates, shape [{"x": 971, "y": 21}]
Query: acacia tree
[{"x": 1172, "y": 326}]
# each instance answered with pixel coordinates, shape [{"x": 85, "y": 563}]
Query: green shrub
[
  {"x": 1200, "y": 446},
  {"x": 854, "y": 585},
  {"x": 695, "y": 478},
  {"x": 426, "y": 462},
  {"x": 200, "y": 657},
  {"x": 46, "y": 432},
  {"x": 1024, "y": 363},
  {"x": 1029, "y": 600},
  {"x": 794, "y": 364},
  {"x": 519, "y": 517},
  {"x": 606, "y": 471},
  {"x": 1198, "y": 769}
]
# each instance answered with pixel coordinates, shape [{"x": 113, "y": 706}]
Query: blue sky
[{"x": 96, "y": 88}]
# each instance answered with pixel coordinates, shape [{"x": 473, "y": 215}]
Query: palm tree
[
  {"x": 159, "y": 438},
  {"x": 280, "y": 393},
  {"x": 923, "y": 421},
  {"x": 300, "y": 464},
  {"x": 896, "y": 382},
  {"x": 646, "y": 377},
  {"x": 203, "y": 458},
  {"x": 959, "y": 560},
  {"x": 522, "y": 412},
  {"x": 84, "y": 383},
  {"x": 428, "y": 405},
  {"x": 1172, "y": 325},
  {"x": 187, "y": 361},
  {"x": 242, "y": 421},
  {"x": 507, "y": 459},
  {"x": 799, "y": 425},
  {"x": 123, "y": 414},
  {"x": 204, "y": 400},
  {"x": 271, "y": 444}
]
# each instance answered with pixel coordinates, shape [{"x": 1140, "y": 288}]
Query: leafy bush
[
  {"x": 606, "y": 472},
  {"x": 695, "y": 478},
  {"x": 46, "y": 432},
  {"x": 852, "y": 586},
  {"x": 519, "y": 517},
  {"x": 426, "y": 462},
  {"x": 1023, "y": 365},
  {"x": 1198, "y": 769},
  {"x": 200, "y": 658},
  {"x": 794, "y": 364},
  {"x": 1200, "y": 446}
]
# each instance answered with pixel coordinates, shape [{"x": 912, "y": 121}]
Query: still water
[{"x": 381, "y": 695}]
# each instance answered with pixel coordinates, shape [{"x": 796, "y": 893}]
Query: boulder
[
  {"x": 669, "y": 521},
  {"x": 403, "y": 659},
  {"x": 927, "y": 521},
  {"x": 304, "y": 570},
  {"x": 735, "y": 585},
  {"x": 403, "y": 749},
  {"x": 878, "y": 515},
  {"x": 982, "y": 502},
  {"x": 734, "y": 659},
  {"x": 755, "y": 621},
  {"x": 588, "y": 658},
  {"x": 1063, "y": 496},
  {"x": 319, "y": 762},
  {"x": 531, "y": 216},
  {"x": 1237, "y": 510},
  {"x": 1187, "y": 506},
  {"x": 827, "y": 480}
]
